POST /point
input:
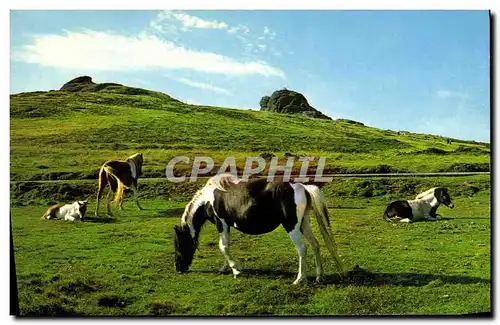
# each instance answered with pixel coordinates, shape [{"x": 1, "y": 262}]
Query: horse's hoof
[
  {"x": 297, "y": 281},
  {"x": 320, "y": 279},
  {"x": 236, "y": 273}
]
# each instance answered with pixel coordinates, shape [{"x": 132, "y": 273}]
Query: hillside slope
[{"x": 68, "y": 135}]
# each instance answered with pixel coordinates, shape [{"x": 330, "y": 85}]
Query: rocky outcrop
[
  {"x": 77, "y": 84},
  {"x": 291, "y": 102},
  {"x": 85, "y": 83}
]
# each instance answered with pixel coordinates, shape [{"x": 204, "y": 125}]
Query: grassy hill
[
  {"x": 123, "y": 265},
  {"x": 68, "y": 135}
]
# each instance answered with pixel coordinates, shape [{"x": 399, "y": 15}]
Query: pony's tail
[
  {"x": 320, "y": 211},
  {"x": 119, "y": 189}
]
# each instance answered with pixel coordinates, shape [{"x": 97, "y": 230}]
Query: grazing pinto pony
[
  {"x": 255, "y": 207},
  {"x": 70, "y": 212},
  {"x": 119, "y": 175},
  {"x": 424, "y": 207}
]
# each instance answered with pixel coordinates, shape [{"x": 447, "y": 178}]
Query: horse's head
[
  {"x": 82, "y": 206},
  {"x": 441, "y": 194},
  {"x": 185, "y": 246}
]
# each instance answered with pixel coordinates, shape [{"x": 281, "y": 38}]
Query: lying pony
[
  {"x": 71, "y": 212},
  {"x": 424, "y": 206}
]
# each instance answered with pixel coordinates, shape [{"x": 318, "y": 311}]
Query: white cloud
[
  {"x": 104, "y": 51},
  {"x": 165, "y": 20},
  {"x": 205, "y": 86},
  {"x": 189, "y": 21},
  {"x": 172, "y": 22},
  {"x": 451, "y": 94},
  {"x": 233, "y": 30},
  {"x": 268, "y": 33}
]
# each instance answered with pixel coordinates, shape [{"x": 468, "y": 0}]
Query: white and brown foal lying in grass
[
  {"x": 70, "y": 212},
  {"x": 255, "y": 207},
  {"x": 119, "y": 174},
  {"x": 424, "y": 207}
]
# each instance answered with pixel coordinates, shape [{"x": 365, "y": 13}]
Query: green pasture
[{"x": 124, "y": 265}]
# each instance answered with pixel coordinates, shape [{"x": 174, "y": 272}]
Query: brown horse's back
[
  {"x": 121, "y": 170},
  {"x": 51, "y": 211}
]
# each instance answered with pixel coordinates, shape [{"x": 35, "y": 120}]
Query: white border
[{"x": 198, "y": 4}]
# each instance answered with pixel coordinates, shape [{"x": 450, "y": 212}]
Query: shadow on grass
[
  {"x": 170, "y": 213},
  {"x": 359, "y": 276},
  {"x": 99, "y": 219},
  {"x": 345, "y": 207},
  {"x": 465, "y": 218}
]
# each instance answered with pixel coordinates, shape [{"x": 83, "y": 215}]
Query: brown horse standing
[{"x": 119, "y": 174}]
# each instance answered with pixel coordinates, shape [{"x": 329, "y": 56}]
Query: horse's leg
[
  {"x": 300, "y": 245},
  {"x": 224, "y": 247},
  {"x": 113, "y": 187},
  {"x": 225, "y": 267},
  {"x": 308, "y": 233},
  {"x": 108, "y": 203},
  {"x": 134, "y": 190},
  {"x": 121, "y": 203},
  {"x": 103, "y": 182}
]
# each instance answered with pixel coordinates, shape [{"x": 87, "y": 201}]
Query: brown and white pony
[
  {"x": 255, "y": 207},
  {"x": 119, "y": 174},
  {"x": 69, "y": 212},
  {"x": 423, "y": 207}
]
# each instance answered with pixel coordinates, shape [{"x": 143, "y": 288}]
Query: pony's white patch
[
  {"x": 133, "y": 168},
  {"x": 299, "y": 193},
  {"x": 224, "y": 248},
  {"x": 70, "y": 212},
  {"x": 421, "y": 208},
  {"x": 206, "y": 195},
  {"x": 300, "y": 245}
]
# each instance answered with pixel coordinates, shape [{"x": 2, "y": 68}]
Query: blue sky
[{"x": 421, "y": 71}]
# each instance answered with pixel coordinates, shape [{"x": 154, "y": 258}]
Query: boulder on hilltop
[
  {"x": 291, "y": 102},
  {"x": 85, "y": 83}
]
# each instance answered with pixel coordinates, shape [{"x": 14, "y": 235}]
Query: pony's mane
[
  {"x": 220, "y": 182},
  {"x": 137, "y": 160},
  {"x": 426, "y": 193}
]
